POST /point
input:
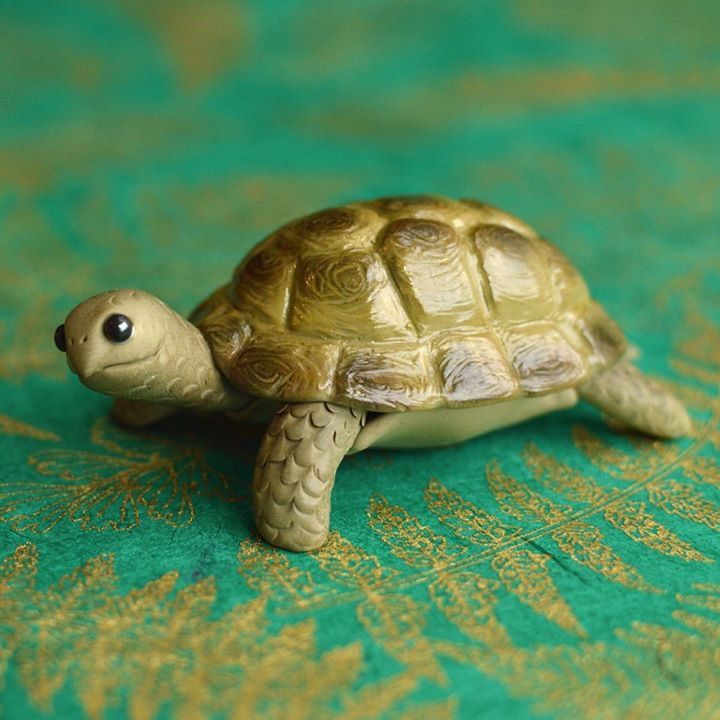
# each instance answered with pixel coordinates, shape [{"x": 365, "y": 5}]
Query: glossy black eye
[
  {"x": 118, "y": 328},
  {"x": 60, "y": 341}
]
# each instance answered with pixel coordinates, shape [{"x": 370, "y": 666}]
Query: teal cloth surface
[{"x": 558, "y": 569}]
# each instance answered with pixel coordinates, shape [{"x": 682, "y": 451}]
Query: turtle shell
[{"x": 407, "y": 303}]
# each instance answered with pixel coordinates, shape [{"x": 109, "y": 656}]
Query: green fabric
[{"x": 553, "y": 570}]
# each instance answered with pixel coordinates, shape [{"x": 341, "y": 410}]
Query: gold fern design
[
  {"x": 577, "y": 539},
  {"x": 676, "y": 668},
  {"x": 441, "y": 710},
  {"x": 269, "y": 572},
  {"x": 513, "y": 554},
  {"x": 663, "y": 489},
  {"x": 521, "y": 569},
  {"x": 648, "y": 671},
  {"x": 11, "y": 426},
  {"x": 466, "y": 598},
  {"x": 115, "y": 488},
  {"x": 394, "y": 619},
  {"x": 672, "y": 477},
  {"x": 629, "y": 516},
  {"x": 290, "y": 590},
  {"x": 161, "y": 648}
]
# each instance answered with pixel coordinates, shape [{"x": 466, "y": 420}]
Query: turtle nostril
[{"x": 60, "y": 341}]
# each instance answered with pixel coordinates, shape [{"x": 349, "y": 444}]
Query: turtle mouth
[
  {"x": 113, "y": 367},
  {"x": 127, "y": 363}
]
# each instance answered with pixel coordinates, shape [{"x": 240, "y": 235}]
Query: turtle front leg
[
  {"x": 295, "y": 472},
  {"x": 139, "y": 413}
]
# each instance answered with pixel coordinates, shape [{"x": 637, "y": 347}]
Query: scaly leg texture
[
  {"x": 624, "y": 393},
  {"x": 295, "y": 472}
]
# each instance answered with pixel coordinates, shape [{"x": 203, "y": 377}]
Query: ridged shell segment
[
  {"x": 334, "y": 294},
  {"x": 262, "y": 286},
  {"x": 431, "y": 268},
  {"x": 400, "y": 373},
  {"x": 517, "y": 274},
  {"x": 464, "y": 378},
  {"x": 407, "y": 303},
  {"x": 543, "y": 357}
]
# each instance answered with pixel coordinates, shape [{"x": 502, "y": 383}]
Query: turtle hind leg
[
  {"x": 295, "y": 472},
  {"x": 625, "y": 394}
]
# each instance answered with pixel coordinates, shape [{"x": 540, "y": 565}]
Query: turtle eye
[
  {"x": 60, "y": 341},
  {"x": 118, "y": 328}
]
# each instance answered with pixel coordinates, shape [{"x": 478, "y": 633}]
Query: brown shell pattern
[
  {"x": 407, "y": 303},
  {"x": 336, "y": 294}
]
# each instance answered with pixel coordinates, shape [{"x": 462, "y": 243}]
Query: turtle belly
[{"x": 446, "y": 426}]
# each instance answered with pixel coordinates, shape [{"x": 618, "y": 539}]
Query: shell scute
[
  {"x": 285, "y": 367},
  {"x": 516, "y": 272},
  {"x": 225, "y": 327},
  {"x": 602, "y": 333},
  {"x": 393, "y": 377},
  {"x": 336, "y": 294},
  {"x": 570, "y": 288},
  {"x": 474, "y": 366},
  {"x": 425, "y": 207},
  {"x": 430, "y": 268},
  {"x": 543, "y": 357},
  {"x": 416, "y": 206},
  {"x": 262, "y": 283},
  {"x": 332, "y": 230}
]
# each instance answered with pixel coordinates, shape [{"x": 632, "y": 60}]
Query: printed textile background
[{"x": 558, "y": 569}]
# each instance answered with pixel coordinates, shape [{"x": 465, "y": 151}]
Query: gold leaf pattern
[
  {"x": 112, "y": 490},
  {"x": 526, "y": 575},
  {"x": 442, "y": 710},
  {"x": 10, "y": 426},
  {"x": 269, "y": 572},
  {"x": 630, "y": 516},
  {"x": 174, "y": 654},
  {"x": 709, "y": 599},
  {"x": 469, "y": 601},
  {"x": 393, "y": 619},
  {"x": 522, "y": 572},
  {"x": 379, "y": 699},
  {"x": 464, "y": 518},
  {"x": 677, "y": 498},
  {"x": 668, "y": 494},
  {"x": 408, "y": 539},
  {"x": 653, "y": 671}
]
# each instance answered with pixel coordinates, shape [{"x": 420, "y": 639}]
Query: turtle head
[
  {"x": 129, "y": 344},
  {"x": 114, "y": 341}
]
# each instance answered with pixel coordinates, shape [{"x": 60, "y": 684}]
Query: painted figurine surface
[{"x": 402, "y": 322}]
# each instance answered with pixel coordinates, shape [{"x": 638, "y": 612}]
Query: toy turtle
[{"x": 401, "y": 322}]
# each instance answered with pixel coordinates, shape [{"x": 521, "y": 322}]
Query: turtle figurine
[{"x": 400, "y": 322}]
